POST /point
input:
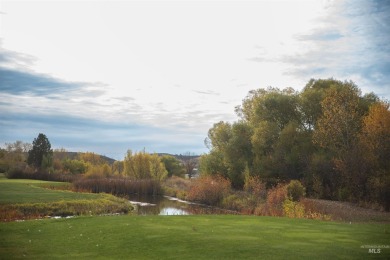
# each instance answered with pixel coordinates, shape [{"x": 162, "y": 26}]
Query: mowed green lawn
[
  {"x": 176, "y": 237},
  {"x": 31, "y": 191},
  {"x": 24, "y": 199},
  {"x": 190, "y": 237}
]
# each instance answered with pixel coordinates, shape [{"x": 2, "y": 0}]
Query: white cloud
[
  {"x": 350, "y": 41},
  {"x": 181, "y": 66}
]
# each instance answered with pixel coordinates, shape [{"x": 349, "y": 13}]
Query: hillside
[{"x": 75, "y": 155}]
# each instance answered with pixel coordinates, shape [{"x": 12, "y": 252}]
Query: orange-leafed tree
[{"x": 375, "y": 141}]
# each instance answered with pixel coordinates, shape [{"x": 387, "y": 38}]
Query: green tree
[
  {"x": 117, "y": 167},
  {"x": 295, "y": 190},
  {"x": 233, "y": 142},
  {"x": 292, "y": 152},
  {"x": 329, "y": 136},
  {"x": 14, "y": 155},
  {"x": 310, "y": 100},
  {"x": 74, "y": 166},
  {"x": 264, "y": 137},
  {"x": 157, "y": 168},
  {"x": 271, "y": 105},
  {"x": 4, "y": 166},
  {"x": 173, "y": 165},
  {"x": 213, "y": 164},
  {"x": 41, "y": 149},
  {"x": 321, "y": 177},
  {"x": 337, "y": 132},
  {"x": 339, "y": 124}
]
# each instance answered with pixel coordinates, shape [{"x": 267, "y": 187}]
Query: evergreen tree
[{"x": 41, "y": 149}]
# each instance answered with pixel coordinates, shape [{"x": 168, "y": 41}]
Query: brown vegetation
[
  {"x": 10, "y": 212},
  {"x": 118, "y": 186},
  {"x": 209, "y": 190}
]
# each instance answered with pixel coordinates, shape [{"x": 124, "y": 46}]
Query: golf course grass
[
  {"x": 24, "y": 199},
  {"x": 33, "y": 191},
  {"x": 190, "y": 237},
  {"x": 168, "y": 237}
]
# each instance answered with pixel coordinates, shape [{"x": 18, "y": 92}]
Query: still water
[{"x": 164, "y": 205}]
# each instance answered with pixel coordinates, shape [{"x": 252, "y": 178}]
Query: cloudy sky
[{"x": 110, "y": 76}]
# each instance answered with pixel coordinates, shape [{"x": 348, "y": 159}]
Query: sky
[{"x": 108, "y": 76}]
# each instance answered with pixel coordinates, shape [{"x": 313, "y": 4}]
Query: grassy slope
[
  {"x": 21, "y": 199},
  {"x": 190, "y": 237},
  {"x": 31, "y": 191},
  {"x": 180, "y": 237}
]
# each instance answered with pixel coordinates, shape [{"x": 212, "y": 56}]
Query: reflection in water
[
  {"x": 163, "y": 205},
  {"x": 173, "y": 211}
]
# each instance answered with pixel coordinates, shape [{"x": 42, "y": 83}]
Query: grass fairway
[
  {"x": 190, "y": 237},
  {"x": 21, "y": 199},
  {"x": 31, "y": 191}
]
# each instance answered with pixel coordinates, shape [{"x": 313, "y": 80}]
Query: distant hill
[
  {"x": 181, "y": 157},
  {"x": 74, "y": 155}
]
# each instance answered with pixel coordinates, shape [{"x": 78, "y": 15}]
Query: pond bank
[{"x": 166, "y": 205}]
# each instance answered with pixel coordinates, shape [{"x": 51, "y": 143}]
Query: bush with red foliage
[
  {"x": 209, "y": 190},
  {"x": 255, "y": 186},
  {"x": 274, "y": 204}
]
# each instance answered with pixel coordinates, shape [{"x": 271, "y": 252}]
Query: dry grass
[
  {"x": 345, "y": 211},
  {"x": 118, "y": 186},
  {"x": 178, "y": 183},
  {"x": 177, "y": 187}
]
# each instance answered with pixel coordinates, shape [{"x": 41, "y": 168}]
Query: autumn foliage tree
[
  {"x": 329, "y": 136},
  {"x": 375, "y": 141},
  {"x": 143, "y": 165},
  {"x": 338, "y": 126}
]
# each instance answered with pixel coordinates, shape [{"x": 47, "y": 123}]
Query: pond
[{"x": 165, "y": 205}]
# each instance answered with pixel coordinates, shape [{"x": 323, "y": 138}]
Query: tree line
[
  {"x": 21, "y": 159},
  {"x": 329, "y": 136}
]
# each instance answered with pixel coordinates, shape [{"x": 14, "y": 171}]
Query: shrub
[
  {"x": 232, "y": 202},
  {"x": 19, "y": 171},
  {"x": 293, "y": 209},
  {"x": 254, "y": 185},
  {"x": 178, "y": 183},
  {"x": 240, "y": 202},
  {"x": 275, "y": 198},
  {"x": 118, "y": 186},
  {"x": 379, "y": 189},
  {"x": 176, "y": 187},
  {"x": 315, "y": 209},
  {"x": 209, "y": 190},
  {"x": 27, "y": 172},
  {"x": 295, "y": 190},
  {"x": 261, "y": 210},
  {"x": 74, "y": 166},
  {"x": 98, "y": 170}
]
